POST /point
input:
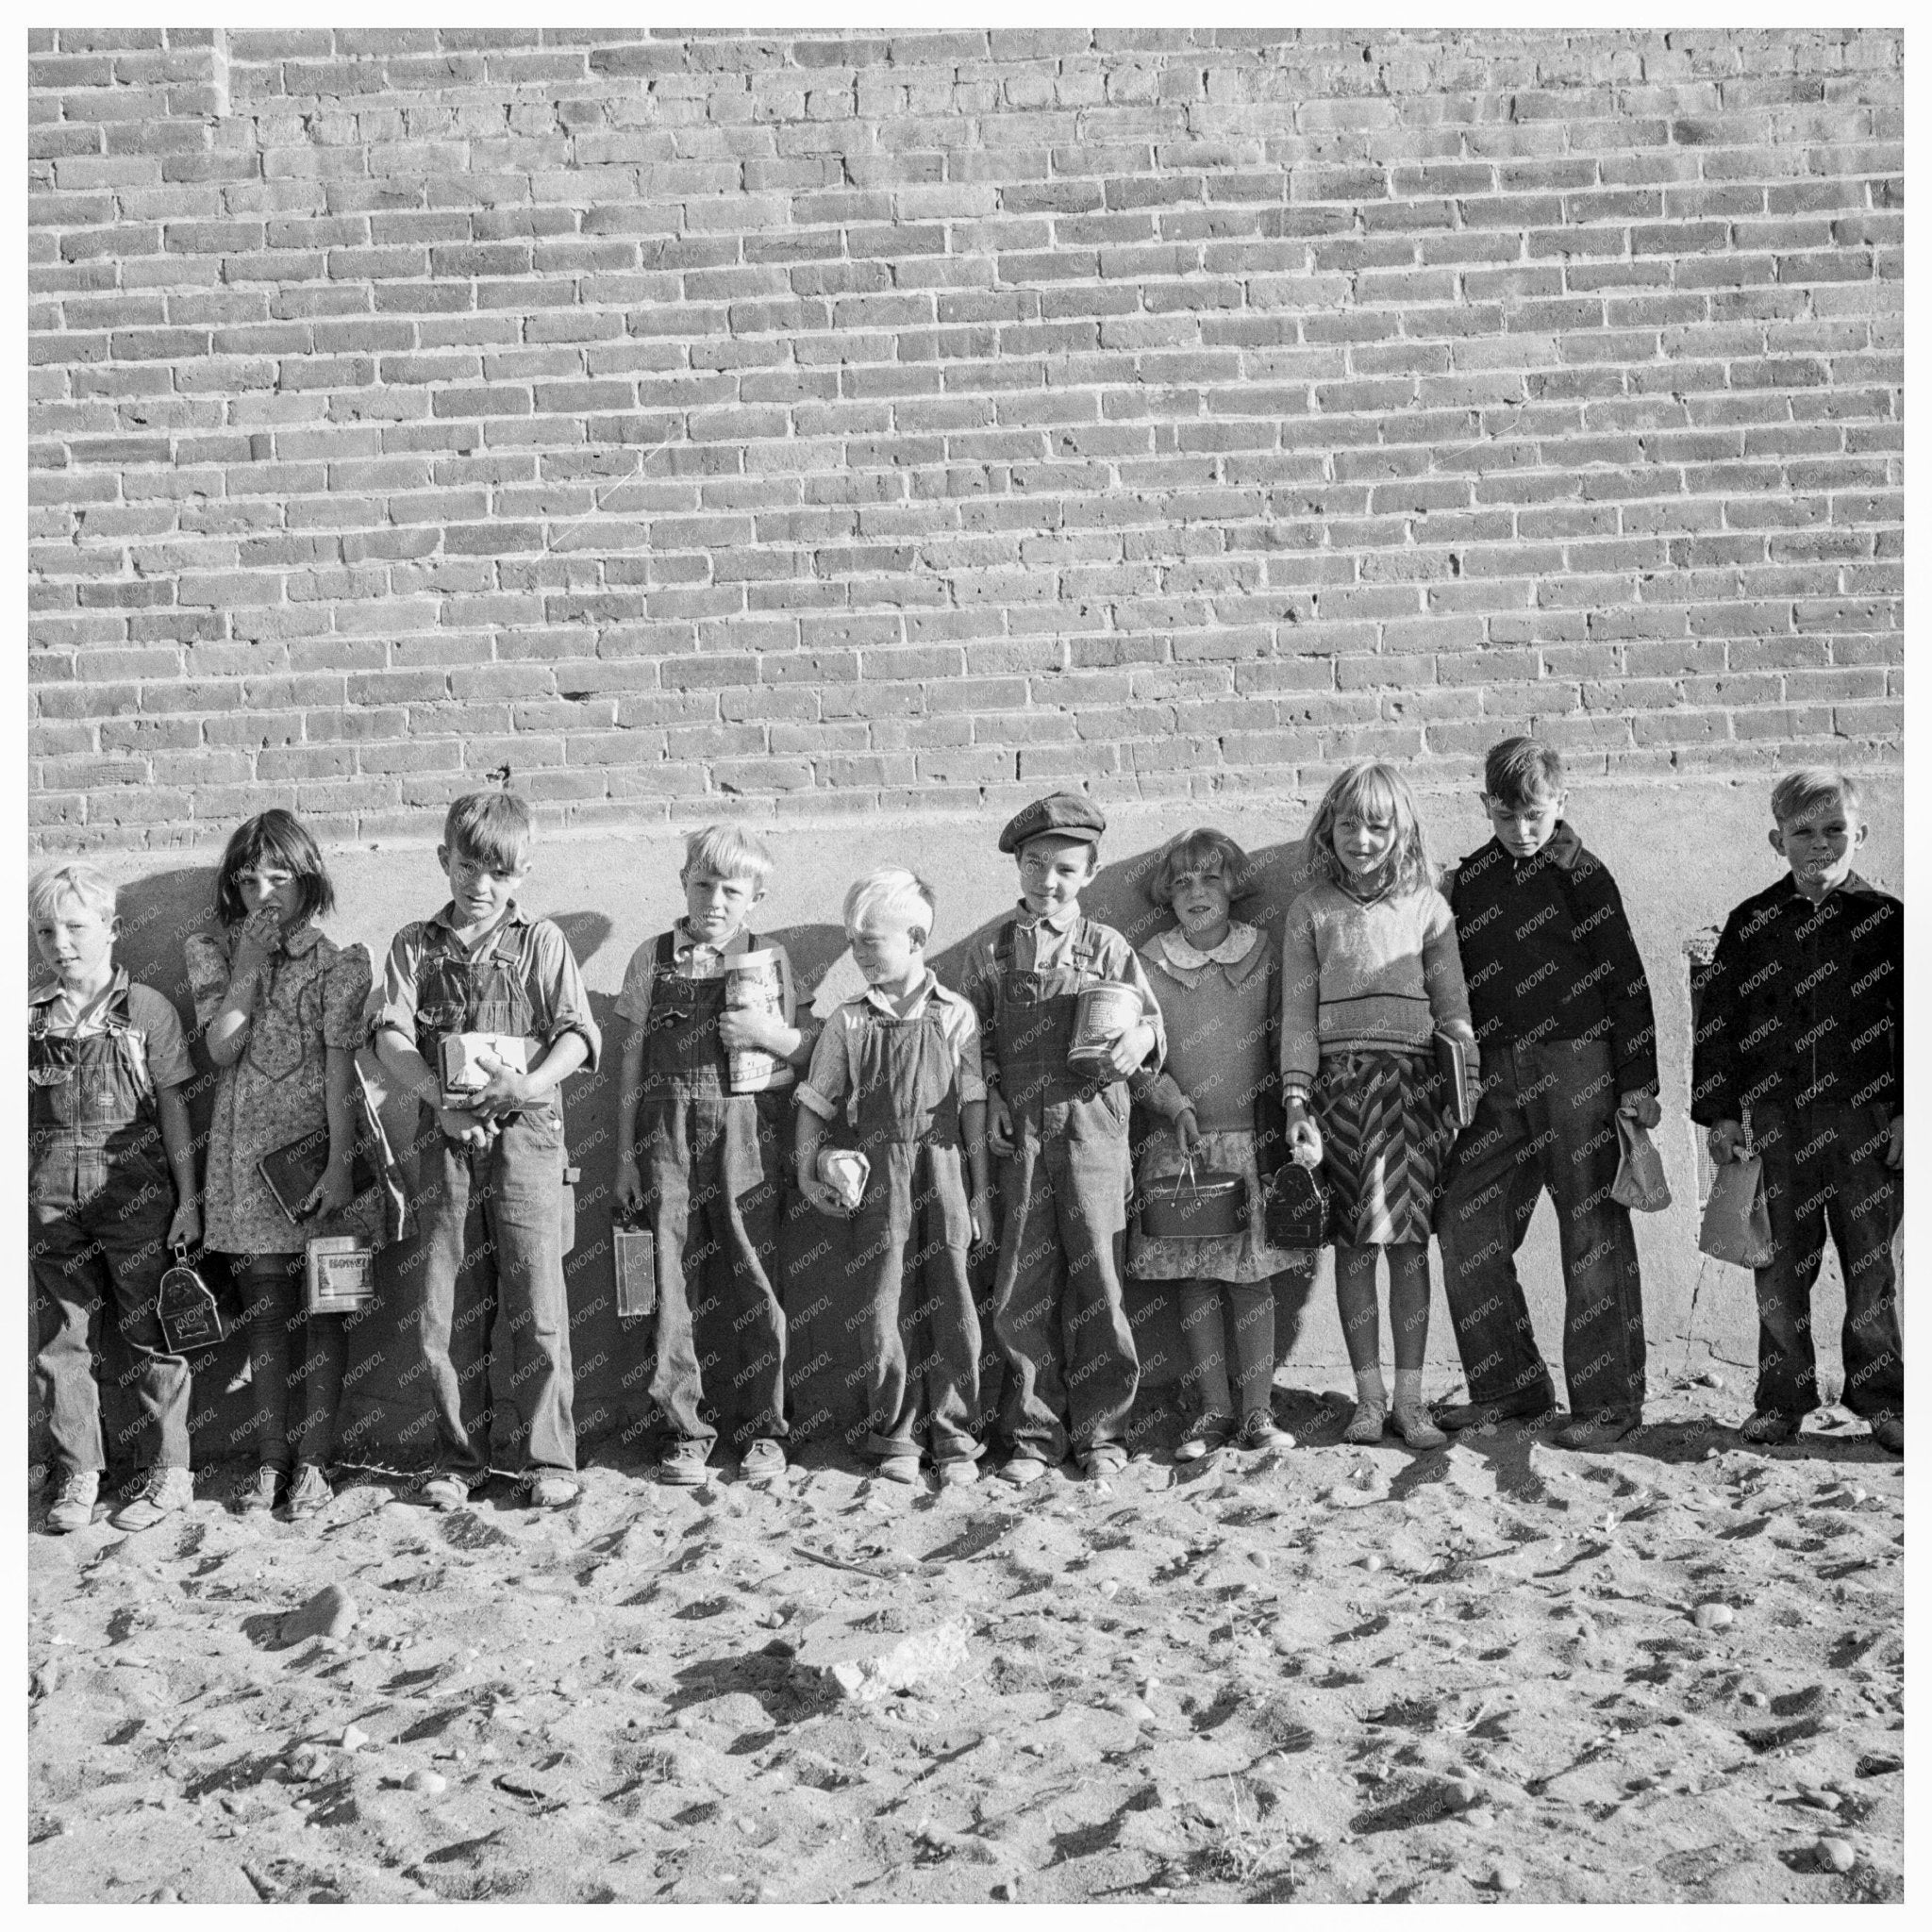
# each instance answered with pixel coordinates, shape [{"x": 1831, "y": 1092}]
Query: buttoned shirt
[
  {"x": 150, "y": 1018},
  {"x": 555, "y": 984},
  {"x": 835, "y": 1059},
  {"x": 695, "y": 959}
]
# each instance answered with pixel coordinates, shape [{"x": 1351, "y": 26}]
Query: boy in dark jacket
[
  {"x": 1801, "y": 1049},
  {"x": 1562, "y": 1014}
]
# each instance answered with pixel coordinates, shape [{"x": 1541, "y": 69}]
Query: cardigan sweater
[
  {"x": 1380, "y": 977},
  {"x": 1220, "y": 1023}
]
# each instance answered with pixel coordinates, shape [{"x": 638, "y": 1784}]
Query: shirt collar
[
  {"x": 684, "y": 942},
  {"x": 928, "y": 989},
  {"x": 1232, "y": 950},
  {"x": 1054, "y": 921},
  {"x": 44, "y": 992},
  {"x": 304, "y": 939},
  {"x": 475, "y": 949},
  {"x": 1850, "y": 883}
]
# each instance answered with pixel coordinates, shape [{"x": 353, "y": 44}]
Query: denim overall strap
[{"x": 904, "y": 1090}]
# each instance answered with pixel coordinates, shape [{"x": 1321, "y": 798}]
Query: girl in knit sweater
[
  {"x": 1219, "y": 984},
  {"x": 1370, "y": 974}
]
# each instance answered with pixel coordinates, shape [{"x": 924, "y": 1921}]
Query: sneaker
[
  {"x": 1212, "y": 1432},
  {"x": 1021, "y": 1470},
  {"x": 1596, "y": 1431},
  {"x": 1889, "y": 1432},
  {"x": 73, "y": 1506},
  {"x": 309, "y": 1494},
  {"x": 447, "y": 1488},
  {"x": 550, "y": 1488},
  {"x": 1103, "y": 1459},
  {"x": 1415, "y": 1429},
  {"x": 899, "y": 1468},
  {"x": 1367, "y": 1424},
  {"x": 1770, "y": 1426},
  {"x": 681, "y": 1462},
  {"x": 1456, "y": 1416},
  {"x": 257, "y": 1495},
  {"x": 959, "y": 1472},
  {"x": 764, "y": 1461},
  {"x": 1260, "y": 1432},
  {"x": 165, "y": 1492}
]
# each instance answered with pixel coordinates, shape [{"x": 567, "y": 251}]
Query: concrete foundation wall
[{"x": 1682, "y": 854}]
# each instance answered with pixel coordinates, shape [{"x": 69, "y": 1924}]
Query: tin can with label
[
  {"x": 1104, "y": 1011},
  {"x": 340, "y": 1274},
  {"x": 754, "y": 983}
]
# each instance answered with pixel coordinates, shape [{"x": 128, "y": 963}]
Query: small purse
[
  {"x": 185, "y": 1306},
  {"x": 1737, "y": 1218},
  {"x": 1640, "y": 1183},
  {"x": 1294, "y": 1207}
]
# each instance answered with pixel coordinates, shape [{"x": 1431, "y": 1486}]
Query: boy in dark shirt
[
  {"x": 1562, "y": 1013},
  {"x": 1801, "y": 1049}
]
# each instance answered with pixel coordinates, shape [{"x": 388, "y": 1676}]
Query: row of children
[{"x": 1522, "y": 953}]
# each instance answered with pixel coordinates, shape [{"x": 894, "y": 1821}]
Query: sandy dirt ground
[{"x": 1325, "y": 1674}]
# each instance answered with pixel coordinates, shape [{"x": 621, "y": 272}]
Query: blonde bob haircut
[
  {"x": 726, "y": 853},
  {"x": 1207, "y": 850},
  {"x": 893, "y": 891},
  {"x": 90, "y": 886},
  {"x": 1374, "y": 790}
]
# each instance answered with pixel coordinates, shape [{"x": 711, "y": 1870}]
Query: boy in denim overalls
[
  {"x": 492, "y": 1178},
  {"x": 901, "y": 1065},
  {"x": 703, "y": 1164},
  {"x": 111, "y": 1186},
  {"x": 1058, "y": 1314}
]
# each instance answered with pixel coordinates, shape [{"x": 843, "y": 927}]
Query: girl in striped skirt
[{"x": 1370, "y": 974}]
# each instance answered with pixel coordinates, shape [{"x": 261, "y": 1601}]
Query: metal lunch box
[
  {"x": 1194, "y": 1205},
  {"x": 1102, "y": 1013}
]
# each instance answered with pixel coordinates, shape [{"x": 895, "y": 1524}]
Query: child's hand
[
  {"x": 1725, "y": 1142},
  {"x": 630, "y": 1185},
  {"x": 1130, "y": 1049},
  {"x": 745, "y": 1028},
  {"x": 462, "y": 1125},
  {"x": 260, "y": 934},
  {"x": 1639, "y": 1104},
  {"x": 332, "y": 1193},
  {"x": 982, "y": 1219},
  {"x": 1895, "y": 1153},
  {"x": 184, "y": 1230},
  {"x": 999, "y": 1124},
  {"x": 1304, "y": 1142},
  {"x": 822, "y": 1195},
  {"x": 507, "y": 1090},
  {"x": 1187, "y": 1132}
]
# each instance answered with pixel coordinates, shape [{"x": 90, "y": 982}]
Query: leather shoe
[
  {"x": 1596, "y": 1431},
  {"x": 1454, "y": 1416}
]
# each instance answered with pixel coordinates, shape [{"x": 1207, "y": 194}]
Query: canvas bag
[
  {"x": 1737, "y": 1219},
  {"x": 1640, "y": 1181}
]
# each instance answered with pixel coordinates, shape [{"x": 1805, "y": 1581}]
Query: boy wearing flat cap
[{"x": 1061, "y": 1137}]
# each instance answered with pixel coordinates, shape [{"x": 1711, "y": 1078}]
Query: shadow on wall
[{"x": 612, "y": 1360}]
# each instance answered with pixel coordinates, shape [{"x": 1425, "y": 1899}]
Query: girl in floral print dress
[{"x": 281, "y": 1012}]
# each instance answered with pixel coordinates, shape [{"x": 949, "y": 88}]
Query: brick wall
[{"x": 823, "y": 423}]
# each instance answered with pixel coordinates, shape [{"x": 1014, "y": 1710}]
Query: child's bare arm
[
  {"x": 337, "y": 1187},
  {"x": 630, "y": 1079},
  {"x": 177, "y": 1139},
  {"x": 973, "y": 1125}
]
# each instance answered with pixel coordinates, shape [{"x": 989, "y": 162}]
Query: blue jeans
[
  {"x": 1547, "y": 1119},
  {"x": 493, "y": 1240}
]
